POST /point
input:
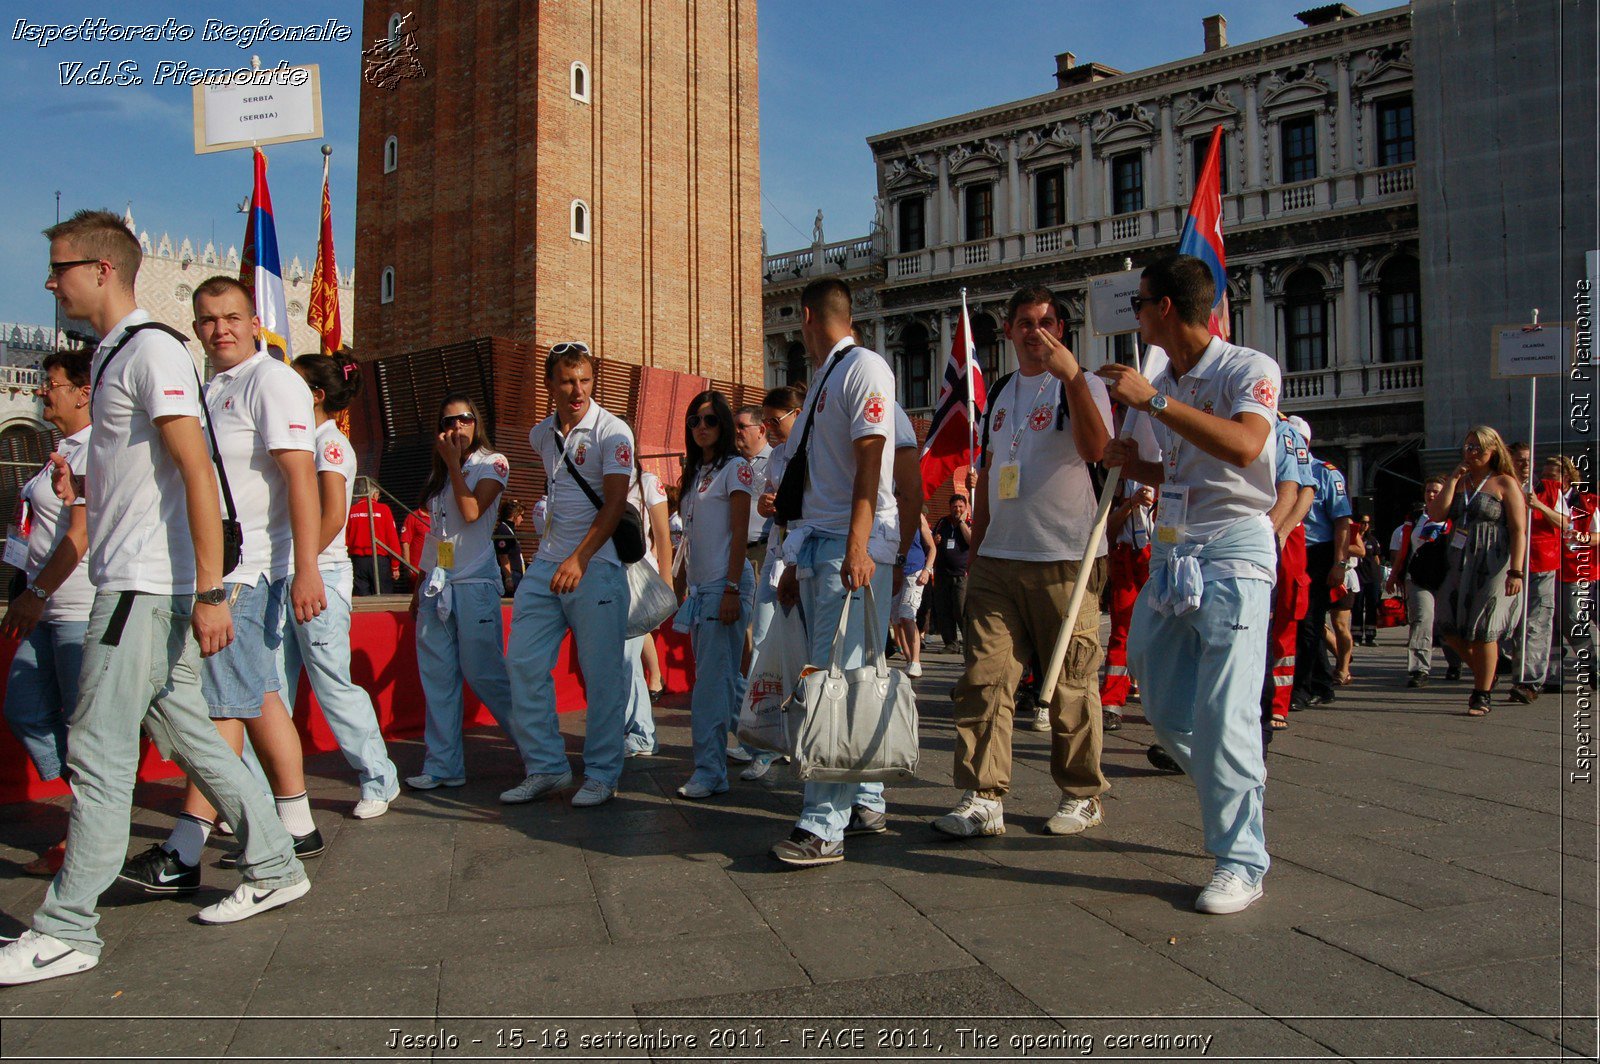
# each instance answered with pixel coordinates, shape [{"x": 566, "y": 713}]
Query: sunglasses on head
[
  {"x": 570, "y": 347},
  {"x": 450, "y": 421},
  {"x": 695, "y": 421}
]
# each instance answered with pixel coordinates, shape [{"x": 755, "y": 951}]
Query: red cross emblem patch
[
  {"x": 624, "y": 454},
  {"x": 1264, "y": 392},
  {"x": 1040, "y": 418},
  {"x": 333, "y": 453},
  {"x": 873, "y": 411}
]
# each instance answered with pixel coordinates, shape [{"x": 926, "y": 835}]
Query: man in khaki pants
[{"x": 1035, "y": 504}]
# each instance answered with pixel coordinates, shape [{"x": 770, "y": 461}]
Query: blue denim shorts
[{"x": 236, "y": 680}]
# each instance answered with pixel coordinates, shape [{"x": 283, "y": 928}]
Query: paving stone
[
  {"x": 1546, "y": 871},
  {"x": 1460, "y": 936},
  {"x": 422, "y": 937},
  {"x": 1390, "y": 872},
  {"x": 1532, "y": 994},
  {"x": 327, "y": 985},
  {"x": 496, "y": 867},
  {"x": 670, "y": 899},
  {"x": 394, "y": 869},
  {"x": 603, "y": 978},
  {"x": 854, "y": 930},
  {"x": 88, "y": 1037}
]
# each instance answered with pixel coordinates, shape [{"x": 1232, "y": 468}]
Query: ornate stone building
[{"x": 1319, "y": 221}]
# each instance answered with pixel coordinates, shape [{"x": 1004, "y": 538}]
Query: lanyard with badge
[
  {"x": 1172, "y": 509},
  {"x": 1458, "y": 538},
  {"x": 1011, "y": 471},
  {"x": 562, "y": 443},
  {"x": 16, "y": 552}
]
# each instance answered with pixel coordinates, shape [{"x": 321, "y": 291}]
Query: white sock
[
  {"x": 188, "y": 838},
  {"x": 295, "y": 812}
]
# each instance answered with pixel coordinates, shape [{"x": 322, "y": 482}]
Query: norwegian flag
[
  {"x": 1202, "y": 232},
  {"x": 961, "y": 401}
]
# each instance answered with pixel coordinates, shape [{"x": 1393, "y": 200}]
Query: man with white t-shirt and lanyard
[
  {"x": 1035, "y": 506},
  {"x": 576, "y": 583},
  {"x": 261, "y": 419},
  {"x": 845, "y": 538},
  {"x": 1198, "y": 641},
  {"x": 155, "y": 533}
]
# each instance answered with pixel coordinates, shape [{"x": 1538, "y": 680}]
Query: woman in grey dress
[{"x": 1488, "y": 546}]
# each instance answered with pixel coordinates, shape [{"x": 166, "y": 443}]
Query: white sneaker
[
  {"x": 592, "y": 793},
  {"x": 536, "y": 785},
  {"x": 694, "y": 790},
  {"x": 33, "y": 958},
  {"x": 973, "y": 816},
  {"x": 1074, "y": 815},
  {"x": 914, "y": 669},
  {"x": 424, "y": 782},
  {"x": 372, "y": 808},
  {"x": 249, "y": 899},
  {"x": 1227, "y": 892},
  {"x": 1041, "y": 718},
  {"x": 737, "y": 751},
  {"x": 760, "y": 766}
]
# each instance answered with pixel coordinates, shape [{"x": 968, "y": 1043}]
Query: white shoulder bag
[{"x": 651, "y": 599}]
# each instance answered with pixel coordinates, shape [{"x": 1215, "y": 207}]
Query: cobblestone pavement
[{"x": 1433, "y": 895}]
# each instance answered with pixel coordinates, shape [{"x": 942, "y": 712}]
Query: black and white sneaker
[
  {"x": 304, "y": 846},
  {"x": 249, "y": 899},
  {"x": 159, "y": 871}
]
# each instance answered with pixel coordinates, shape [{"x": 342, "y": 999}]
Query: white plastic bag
[{"x": 774, "y": 669}]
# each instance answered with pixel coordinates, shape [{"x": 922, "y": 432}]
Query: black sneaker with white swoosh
[{"x": 159, "y": 871}]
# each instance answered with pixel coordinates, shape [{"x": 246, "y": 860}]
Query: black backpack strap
[
  {"x": 561, "y": 441},
  {"x": 999, "y": 387}
]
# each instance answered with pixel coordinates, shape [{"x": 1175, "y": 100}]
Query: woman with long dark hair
[
  {"x": 322, "y": 644},
  {"x": 1488, "y": 550},
  {"x": 715, "y": 504},
  {"x": 457, "y": 601}
]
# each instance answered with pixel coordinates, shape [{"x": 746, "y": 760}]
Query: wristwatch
[
  {"x": 1158, "y": 404},
  {"x": 215, "y": 597},
  {"x": 38, "y": 592}
]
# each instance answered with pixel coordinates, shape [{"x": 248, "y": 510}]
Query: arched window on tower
[
  {"x": 391, "y": 154},
  {"x": 1305, "y": 321},
  {"x": 1399, "y": 293},
  {"x": 580, "y": 82},
  {"x": 386, "y": 285},
  {"x": 580, "y": 220}
]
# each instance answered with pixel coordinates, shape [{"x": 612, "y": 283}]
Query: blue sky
[{"x": 833, "y": 72}]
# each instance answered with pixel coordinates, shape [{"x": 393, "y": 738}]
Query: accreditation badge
[
  {"x": 1172, "y": 515},
  {"x": 1010, "y": 480},
  {"x": 16, "y": 553}
]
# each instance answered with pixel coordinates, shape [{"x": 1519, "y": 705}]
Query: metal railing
[{"x": 365, "y": 487}]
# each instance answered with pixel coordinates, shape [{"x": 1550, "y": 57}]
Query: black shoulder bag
[
  {"x": 232, "y": 533},
  {"x": 629, "y": 535},
  {"x": 792, "y": 488}
]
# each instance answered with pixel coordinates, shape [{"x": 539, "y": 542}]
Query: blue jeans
[
  {"x": 236, "y": 679},
  {"x": 467, "y": 645},
  {"x": 42, "y": 689},
  {"x": 141, "y": 664},
  {"x": 322, "y": 645},
  {"x": 822, "y": 596},
  {"x": 639, "y": 722},
  {"x": 597, "y": 615},
  {"x": 719, "y": 684},
  {"x": 1200, "y": 677}
]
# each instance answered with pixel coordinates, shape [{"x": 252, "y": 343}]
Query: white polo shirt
[
  {"x": 704, "y": 505},
  {"x": 758, "y": 465},
  {"x": 600, "y": 445},
  {"x": 47, "y": 520},
  {"x": 855, "y": 402},
  {"x": 1227, "y": 381},
  {"x": 138, "y": 516},
  {"x": 1050, "y": 518},
  {"x": 905, "y": 433},
  {"x": 474, "y": 540},
  {"x": 335, "y": 455},
  {"x": 650, "y": 491},
  {"x": 257, "y": 407}
]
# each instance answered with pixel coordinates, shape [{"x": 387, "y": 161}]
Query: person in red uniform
[
  {"x": 412, "y": 534},
  {"x": 1128, "y": 561},
  {"x": 359, "y": 531},
  {"x": 1296, "y": 488}
]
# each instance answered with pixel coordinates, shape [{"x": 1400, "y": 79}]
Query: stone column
[
  {"x": 1169, "y": 159},
  {"x": 943, "y": 222},
  {"x": 1015, "y": 193},
  {"x": 1252, "y": 134},
  {"x": 1351, "y": 341},
  {"x": 1260, "y": 322},
  {"x": 1088, "y": 180},
  {"x": 880, "y": 334},
  {"x": 1345, "y": 118}
]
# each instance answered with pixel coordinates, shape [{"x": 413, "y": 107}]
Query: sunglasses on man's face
[{"x": 450, "y": 421}]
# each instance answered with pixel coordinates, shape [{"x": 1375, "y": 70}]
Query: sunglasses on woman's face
[
  {"x": 450, "y": 421},
  {"x": 695, "y": 421}
]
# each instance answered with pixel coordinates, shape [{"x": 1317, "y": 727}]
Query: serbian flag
[
  {"x": 1202, "y": 232},
  {"x": 322, "y": 314},
  {"x": 260, "y": 272},
  {"x": 950, "y": 442}
]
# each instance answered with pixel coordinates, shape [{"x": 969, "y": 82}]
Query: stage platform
[{"x": 383, "y": 659}]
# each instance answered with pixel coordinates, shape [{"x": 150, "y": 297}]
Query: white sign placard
[
  {"x": 1110, "y": 312},
  {"x": 1520, "y": 351},
  {"x": 270, "y": 106}
]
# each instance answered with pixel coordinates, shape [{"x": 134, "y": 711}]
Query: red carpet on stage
[{"x": 383, "y": 659}]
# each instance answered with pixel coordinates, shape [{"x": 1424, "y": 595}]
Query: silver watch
[{"x": 1158, "y": 404}]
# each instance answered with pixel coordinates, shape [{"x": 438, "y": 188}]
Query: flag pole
[{"x": 968, "y": 351}]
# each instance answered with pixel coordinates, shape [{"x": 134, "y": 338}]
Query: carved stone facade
[{"x": 1319, "y": 220}]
